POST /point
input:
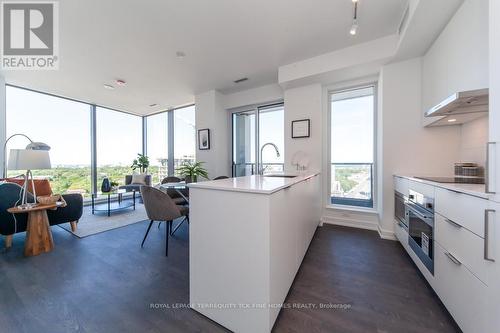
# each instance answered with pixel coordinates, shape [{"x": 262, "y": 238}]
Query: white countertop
[
  {"x": 477, "y": 190},
  {"x": 254, "y": 184}
]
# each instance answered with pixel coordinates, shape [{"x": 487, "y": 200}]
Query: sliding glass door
[
  {"x": 251, "y": 130},
  {"x": 244, "y": 139},
  {"x": 272, "y": 131}
]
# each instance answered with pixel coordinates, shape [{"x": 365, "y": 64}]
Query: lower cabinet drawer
[
  {"x": 463, "y": 294},
  {"x": 401, "y": 234},
  {"x": 464, "y": 245},
  {"x": 466, "y": 210}
]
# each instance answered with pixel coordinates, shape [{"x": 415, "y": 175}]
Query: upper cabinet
[{"x": 458, "y": 59}]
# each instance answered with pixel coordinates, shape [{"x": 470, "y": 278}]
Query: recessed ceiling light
[
  {"x": 452, "y": 120},
  {"x": 180, "y": 55},
  {"x": 108, "y": 86},
  {"x": 120, "y": 82}
]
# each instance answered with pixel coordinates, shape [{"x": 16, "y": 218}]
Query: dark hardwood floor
[{"x": 107, "y": 283}]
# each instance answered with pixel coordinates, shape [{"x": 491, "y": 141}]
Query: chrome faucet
[{"x": 261, "y": 165}]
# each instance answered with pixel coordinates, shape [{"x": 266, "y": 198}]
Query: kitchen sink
[{"x": 280, "y": 176}]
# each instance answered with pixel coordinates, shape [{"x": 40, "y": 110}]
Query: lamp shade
[{"x": 26, "y": 159}]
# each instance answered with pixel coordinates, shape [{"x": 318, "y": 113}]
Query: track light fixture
[{"x": 354, "y": 27}]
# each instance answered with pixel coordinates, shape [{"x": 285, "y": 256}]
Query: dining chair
[
  {"x": 178, "y": 199},
  {"x": 160, "y": 207}
]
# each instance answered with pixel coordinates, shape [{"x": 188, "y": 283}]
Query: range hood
[{"x": 471, "y": 101}]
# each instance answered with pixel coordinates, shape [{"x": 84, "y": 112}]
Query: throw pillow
[
  {"x": 42, "y": 186},
  {"x": 138, "y": 179}
]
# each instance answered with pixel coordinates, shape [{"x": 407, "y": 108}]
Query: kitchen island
[{"x": 248, "y": 236}]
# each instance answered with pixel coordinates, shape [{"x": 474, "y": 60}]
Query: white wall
[
  {"x": 2, "y": 121},
  {"x": 406, "y": 147},
  {"x": 210, "y": 113},
  {"x": 213, "y": 112},
  {"x": 341, "y": 65},
  {"x": 473, "y": 139},
  {"x": 304, "y": 103},
  {"x": 458, "y": 59},
  {"x": 259, "y": 95}
]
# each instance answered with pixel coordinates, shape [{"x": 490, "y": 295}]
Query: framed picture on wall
[
  {"x": 204, "y": 139},
  {"x": 301, "y": 128}
]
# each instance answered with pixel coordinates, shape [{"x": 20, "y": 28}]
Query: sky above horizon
[
  {"x": 65, "y": 126},
  {"x": 352, "y": 130}
]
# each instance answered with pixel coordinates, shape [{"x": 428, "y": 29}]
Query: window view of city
[
  {"x": 352, "y": 147},
  {"x": 68, "y": 133}
]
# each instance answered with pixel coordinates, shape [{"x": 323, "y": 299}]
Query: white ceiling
[{"x": 224, "y": 40}]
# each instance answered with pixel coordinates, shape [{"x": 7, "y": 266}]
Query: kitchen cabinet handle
[
  {"x": 455, "y": 224},
  {"x": 487, "y": 234},
  {"x": 453, "y": 259},
  {"x": 487, "y": 169}
]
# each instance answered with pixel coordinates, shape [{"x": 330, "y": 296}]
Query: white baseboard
[
  {"x": 367, "y": 225},
  {"x": 349, "y": 223},
  {"x": 386, "y": 234}
]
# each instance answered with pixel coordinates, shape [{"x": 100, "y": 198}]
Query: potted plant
[
  {"x": 192, "y": 170},
  {"x": 141, "y": 163},
  {"x": 114, "y": 185}
]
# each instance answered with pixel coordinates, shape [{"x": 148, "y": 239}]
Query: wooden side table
[{"x": 38, "y": 234}]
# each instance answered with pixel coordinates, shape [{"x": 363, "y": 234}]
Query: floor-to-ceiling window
[
  {"x": 184, "y": 135},
  {"x": 157, "y": 145},
  {"x": 118, "y": 141},
  {"x": 352, "y": 114},
  {"x": 61, "y": 123},
  {"x": 66, "y": 125},
  {"x": 252, "y": 129}
]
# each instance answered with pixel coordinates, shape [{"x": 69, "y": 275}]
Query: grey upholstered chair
[
  {"x": 178, "y": 199},
  {"x": 160, "y": 207},
  {"x": 129, "y": 186},
  {"x": 171, "y": 179}
]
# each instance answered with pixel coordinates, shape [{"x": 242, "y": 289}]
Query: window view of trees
[
  {"x": 62, "y": 124},
  {"x": 184, "y": 135},
  {"x": 157, "y": 145},
  {"x": 352, "y": 147},
  {"x": 119, "y": 140}
]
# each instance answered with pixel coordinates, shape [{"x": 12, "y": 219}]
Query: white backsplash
[{"x": 473, "y": 139}]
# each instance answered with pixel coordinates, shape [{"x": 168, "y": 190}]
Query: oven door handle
[{"x": 420, "y": 215}]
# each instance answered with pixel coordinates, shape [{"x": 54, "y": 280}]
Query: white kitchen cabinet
[
  {"x": 401, "y": 185},
  {"x": 465, "y": 210},
  {"x": 401, "y": 234},
  {"x": 248, "y": 236},
  {"x": 463, "y": 294},
  {"x": 493, "y": 236},
  {"x": 464, "y": 245},
  {"x": 458, "y": 59},
  {"x": 494, "y": 110},
  {"x": 493, "y": 239},
  {"x": 425, "y": 189}
]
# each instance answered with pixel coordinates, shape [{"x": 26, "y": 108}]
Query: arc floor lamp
[{"x": 34, "y": 157}]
